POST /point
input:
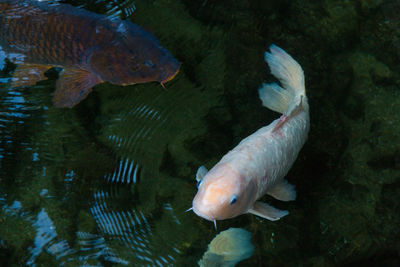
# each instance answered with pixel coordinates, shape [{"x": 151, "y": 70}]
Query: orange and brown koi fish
[{"x": 91, "y": 49}]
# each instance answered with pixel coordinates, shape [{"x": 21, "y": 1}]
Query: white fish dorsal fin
[
  {"x": 283, "y": 191},
  {"x": 267, "y": 212},
  {"x": 201, "y": 172}
]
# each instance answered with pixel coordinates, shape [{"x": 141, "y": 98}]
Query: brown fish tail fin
[{"x": 73, "y": 85}]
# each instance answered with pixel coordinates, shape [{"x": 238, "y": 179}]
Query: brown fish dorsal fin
[
  {"x": 73, "y": 85},
  {"x": 28, "y": 74}
]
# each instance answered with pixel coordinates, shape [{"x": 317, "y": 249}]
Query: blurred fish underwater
[
  {"x": 91, "y": 49},
  {"x": 228, "y": 248}
]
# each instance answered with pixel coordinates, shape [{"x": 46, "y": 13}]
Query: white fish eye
[
  {"x": 233, "y": 199},
  {"x": 198, "y": 184}
]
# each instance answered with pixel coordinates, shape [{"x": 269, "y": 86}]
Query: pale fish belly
[{"x": 267, "y": 156}]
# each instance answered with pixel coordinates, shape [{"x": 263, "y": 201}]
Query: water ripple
[
  {"x": 127, "y": 210},
  {"x": 15, "y": 110},
  {"x": 126, "y": 172},
  {"x": 96, "y": 248},
  {"x": 132, "y": 228}
]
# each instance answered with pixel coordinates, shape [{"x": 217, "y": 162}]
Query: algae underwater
[{"x": 108, "y": 182}]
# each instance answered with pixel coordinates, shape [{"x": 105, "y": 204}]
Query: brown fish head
[
  {"x": 224, "y": 194},
  {"x": 134, "y": 56}
]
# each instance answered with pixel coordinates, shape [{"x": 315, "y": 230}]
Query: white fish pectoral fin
[
  {"x": 201, "y": 172},
  {"x": 283, "y": 191},
  {"x": 267, "y": 212}
]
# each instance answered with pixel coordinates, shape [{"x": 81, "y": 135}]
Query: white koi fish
[{"x": 259, "y": 163}]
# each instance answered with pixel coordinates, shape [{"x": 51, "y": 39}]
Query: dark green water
[{"x": 108, "y": 182}]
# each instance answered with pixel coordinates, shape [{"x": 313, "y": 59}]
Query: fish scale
[
  {"x": 91, "y": 48},
  {"x": 44, "y": 36}
]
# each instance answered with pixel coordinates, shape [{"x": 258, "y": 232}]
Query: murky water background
[{"x": 108, "y": 182}]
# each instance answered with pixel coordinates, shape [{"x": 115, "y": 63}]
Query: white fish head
[{"x": 223, "y": 194}]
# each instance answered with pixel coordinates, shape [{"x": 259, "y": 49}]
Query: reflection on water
[
  {"x": 95, "y": 247},
  {"x": 113, "y": 8},
  {"x": 125, "y": 172},
  {"x": 15, "y": 111},
  {"x": 69, "y": 214},
  {"x": 88, "y": 246},
  {"x": 126, "y": 208},
  {"x": 107, "y": 183},
  {"x": 132, "y": 229},
  {"x": 16, "y": 106},
  {"x": 45, "y": 235},
  {"x": 121, "y": 205}
]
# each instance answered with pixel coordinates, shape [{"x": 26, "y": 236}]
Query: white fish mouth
[
  {"x": 212, "y": 220},
  {"x": 202, "y": 215}
]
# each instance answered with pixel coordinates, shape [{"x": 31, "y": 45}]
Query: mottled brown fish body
[
  {"x": 46, "y": 35},
  {"x": 91, "y": 48}
]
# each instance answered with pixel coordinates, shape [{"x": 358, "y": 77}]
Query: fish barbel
[
  {"x": 91, "y": 48},
  {"x": 259, "y": 163}
]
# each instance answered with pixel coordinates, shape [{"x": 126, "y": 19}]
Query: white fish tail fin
[{"x": 290, "y": 74}]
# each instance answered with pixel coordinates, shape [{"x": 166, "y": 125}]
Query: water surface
[{"x": 108, "y": 182}]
